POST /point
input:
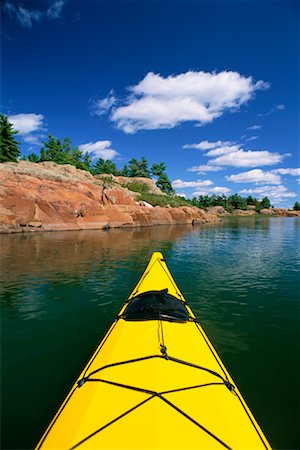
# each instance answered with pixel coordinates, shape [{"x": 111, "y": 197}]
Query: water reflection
[
  {"x": 61, "y": 290},
  {"x": 59, "y": 253}
]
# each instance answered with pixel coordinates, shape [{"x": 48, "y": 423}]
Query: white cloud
[
  {"x": 157, "y": 102},
  {"x": 256, "y": 176},
  {"x": 99, "y": 149},
  {"x": 294, "y": 172},
  {"x": 254, "y": 127},
  {"x": 206, "y": 145},
  {"x": 273, "y": 110},
  {"x": 24, "y": 16},
  {"x": 54, "y": 11},
  {"x": 249, "y": 158},
  {"x": 180, "y": 184},
  {"x": 202, "y": 169},
  {"x": 33, "y": 139},
  {"x": 101, "y": 107},
  {"x": 229, "y": 154},
  {"x": 224, "y": 150},
  {"x": 27, "y": 123},
  {"x": 27, "y": 17},
  {"x": 252, "y": 138},
  {"x": 276, "y": 194},
  {"x": 218, "y": 190}
]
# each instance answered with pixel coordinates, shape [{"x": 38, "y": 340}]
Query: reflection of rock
[
  {"x": 48, "y": 196},
  {"x": 43, "y": 254}
]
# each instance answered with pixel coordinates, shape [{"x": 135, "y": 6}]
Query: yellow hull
[{"x": 154, "y": 384}]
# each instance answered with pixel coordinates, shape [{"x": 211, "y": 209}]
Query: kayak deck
[{"x": 154, "y": 383}]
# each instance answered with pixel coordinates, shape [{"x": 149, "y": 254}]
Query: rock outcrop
[
  {"x": 250, "y": 211},
  {"x": 218, "y": 210},
  {"x": 280, "y": 212},
  {"x": 48, "y": 196}
]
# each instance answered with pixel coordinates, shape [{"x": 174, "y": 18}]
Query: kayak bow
[{"x": 155, "y": 381}]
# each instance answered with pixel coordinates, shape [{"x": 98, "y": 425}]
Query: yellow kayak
[{"x": 154, "y": 382}]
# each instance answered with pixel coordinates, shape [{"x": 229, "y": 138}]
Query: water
[{"x": 61, "y": 291}]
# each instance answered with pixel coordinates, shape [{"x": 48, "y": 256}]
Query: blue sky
[{"x": 208, "y": 87}]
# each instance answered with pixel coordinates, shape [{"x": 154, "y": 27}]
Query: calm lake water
[{"x": 60, "y": 292}]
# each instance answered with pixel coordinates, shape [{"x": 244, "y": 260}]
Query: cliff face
[{"x": 47, "y": 196}]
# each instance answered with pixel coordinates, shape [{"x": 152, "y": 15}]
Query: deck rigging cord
[{"x": 154, "y": 394}]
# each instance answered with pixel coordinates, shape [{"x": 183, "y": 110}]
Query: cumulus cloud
[
  {"x": 101, "y": 106},
  {"x": 276, "y": 194},
  {"x": 180, "y": 184},
  {"x": 218, "y": 190},
  {"x": 202, "y": 169},
  {"x": 224, "y": 150},
  {"x": 99, "y": 149},
  {"x": 165, "y": 102},
  {"x": 30, "y": 127},
  {"x": 282, "y": 171},
  {"x": 225, "y": 153},
  {"x": 206, "y": 145},
  {"x": 27, "y": 17},
  {"x": 203, "y": 187},
  {"x": 242, "y": 158},
  {"x": 26, "y": 123},
  {"x": 256, "y": 176}
]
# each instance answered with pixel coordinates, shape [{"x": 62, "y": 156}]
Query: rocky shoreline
[
  {"x": 47, "y": 197},
  {"x": 280, "y": 212}
]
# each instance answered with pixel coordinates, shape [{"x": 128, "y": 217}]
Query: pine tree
[
  {"x": 158, "y": 168},
  {"x": 105, "y": 166},
  {"x": 32, "y": 157},
  {"x": 296, "y": 206},
  {"x": 52, "y": 150},
  {"x": 138, "y": 168},
  {"x": 125, "y": 171},
  {"x": 87, "y": 161},
  {"x": 9, "y": 147},
  {"x": 162, "y": 182},
  {"x": 265, "y": 203}
]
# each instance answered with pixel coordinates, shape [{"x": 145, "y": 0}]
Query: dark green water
[{"x": 60, "y": 292}]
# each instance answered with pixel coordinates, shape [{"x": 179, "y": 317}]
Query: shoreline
[{"x": 51, "y": 197}]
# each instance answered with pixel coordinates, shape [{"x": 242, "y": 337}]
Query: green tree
[
  {"x": 237, "y": 202},
  {"x": 296, "y": 206},
  {"x": 251, "y": 201},
  {"x": 138, "y": 168},
  {"x": 87, "y": 161},
  {"x": 125, "y": 171},
  {"x": 164, "y": 184},
  {"x": 105, "y": 166},
  {"x": 9, "y": 147},
  {"x": 53, "y": 151},
  {"x": 159, "y": 170},
  {"x": 265, "y": 203},
  {"x": 61, "y": 152},
  {"x": 32, "y": 157}
]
